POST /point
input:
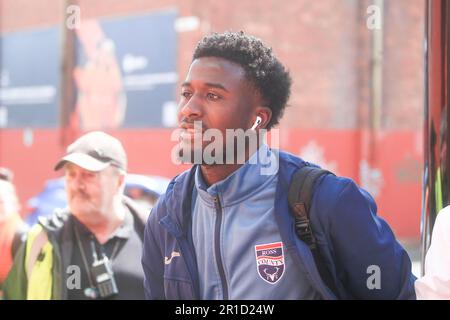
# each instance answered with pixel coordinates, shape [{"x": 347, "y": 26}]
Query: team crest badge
[{"x": 270, "y": 261}]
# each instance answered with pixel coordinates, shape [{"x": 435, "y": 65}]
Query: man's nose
[
  {"x": 192, "y": 109},
  {"x": 76, "y": 183}
]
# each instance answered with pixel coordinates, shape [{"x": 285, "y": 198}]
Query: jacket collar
[{"x": 240, "y": 185}]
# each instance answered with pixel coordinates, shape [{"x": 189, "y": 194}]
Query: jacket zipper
[{"x": 217, "y": 247}]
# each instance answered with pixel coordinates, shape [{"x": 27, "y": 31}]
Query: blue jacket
[{"x": 350, "y": 236}]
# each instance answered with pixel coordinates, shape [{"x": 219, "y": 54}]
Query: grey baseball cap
[{"x": 95, "y": 151}]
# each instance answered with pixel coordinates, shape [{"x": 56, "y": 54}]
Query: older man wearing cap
[{"x": 92, "y": 249}]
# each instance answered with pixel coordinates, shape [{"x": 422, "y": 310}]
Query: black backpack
[{"x": 300, "y": 196}]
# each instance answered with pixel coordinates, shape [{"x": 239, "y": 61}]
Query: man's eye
[
  {"x": 212, "y": 96},
  {"x": 89, "y": 175},
  {"x": 186, "y": 94}
]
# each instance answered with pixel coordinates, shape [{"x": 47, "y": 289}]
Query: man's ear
[{"x": 265, "y": 114}]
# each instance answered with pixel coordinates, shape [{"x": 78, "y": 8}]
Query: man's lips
[
  {"x": 191, "y": 131},
  {"x": 80, "y": 195},
  {"x": 188, "y": 127}
]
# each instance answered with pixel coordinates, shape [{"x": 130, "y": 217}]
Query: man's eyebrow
[
  {"x": 208, "y": 84},
  {"x": 216, "y": 85}
]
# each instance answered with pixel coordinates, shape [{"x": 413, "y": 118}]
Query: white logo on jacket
[{"x": 173, "y": 255}]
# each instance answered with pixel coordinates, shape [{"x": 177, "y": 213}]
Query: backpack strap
[{"x": 300, "y": 198}]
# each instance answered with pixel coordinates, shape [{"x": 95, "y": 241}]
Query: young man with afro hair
[{"x": 225, "y": 230}]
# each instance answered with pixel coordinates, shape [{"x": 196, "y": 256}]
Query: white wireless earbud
[{"x": 257, "y": 122}]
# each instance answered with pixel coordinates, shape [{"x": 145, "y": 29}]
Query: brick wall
[{"x": 325, "y": 44}]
